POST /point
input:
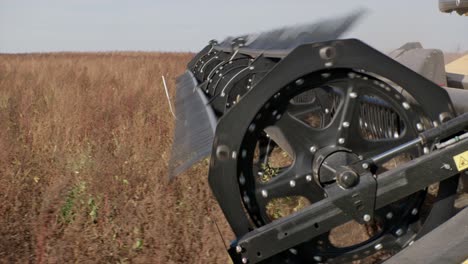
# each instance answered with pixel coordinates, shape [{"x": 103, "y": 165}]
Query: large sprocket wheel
[
  {"x": 352, "y": 113},
  {"x": 299, "y": 136}
]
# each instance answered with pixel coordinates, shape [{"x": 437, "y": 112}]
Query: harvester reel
[
  {"x": 322, "y": 151},
  {"x": 318, "y": 152},
  {"x": 324, "y": 113}
]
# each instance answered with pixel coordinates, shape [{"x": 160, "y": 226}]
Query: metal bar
[{"x": 400, "y": 149}]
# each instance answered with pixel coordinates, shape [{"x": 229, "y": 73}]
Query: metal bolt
[
  {"x": 326, "y": 75},
  {"x": 419, "y": 126},
  {"x": 378, "y": 246},
  {"x": 327, "y": 53},
  {"x": 260, "y": 173},
  {"x": 411, "y": 243},
  {"x": 245, "y": 260},
  {"x": 345, "y": 124},
  {"x": 293, "y": 251},
  {"x": 353, "y": 95},
  {"x": 318, "y": 258},
  {"x": 399, "y": 232},
  {"x": 234, "y": 155},
  {"x": 426, "y": 150},
  {"x": 414, "y": 211},
  {"x": 446, "y": 166},
  {"x": 406, "y": 105},
  {"x": 347, "y": 179},
  {"x": 366, "y": 217},
  {"x": 365, "y": 166},
  {"x": 238, "y": 249},
  {"x": 309, "y": 178},
  {"x": 313, "y": 149},
  {"x": 292, "y": 183},
  {"x": 251, "y": 68},
  {"x": 264, "y": 193},
  {"x": 299, "y": 82},
  {"x": 222, "y": 152},
  {"x": 341, "y": 140},
  {"x": 389, "y": 215},
  {"x": 327, "y": 110}
]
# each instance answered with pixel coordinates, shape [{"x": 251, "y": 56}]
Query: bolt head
[
  {"x": 264, "y": 193},
  {"x": 313, "y": 149},
  {"x": 419, "y": 127},
  {"x": 389, "y": 215},
  {"x": 406, "y": 105},
  {"x": 292, "y": 183},
  {"x": 245, "y": 260},
  {"x": 426, "y": 150},
  {"x": 353, "y": 95},
  {"x": 341, "y": 140},
  {"x": 366, "y": 217},
  {"x": 345, "y": 124},
  {"x": 378, "y": 246},
  {"x": 318, "y": 258},
  {"x": 365, "y": 166},
  {"x": 299, "y": 82},
  {"x": 414, "y": 211},
  {"x": 399, "y": 232},
  {"x": 348, "y": 179},
  {"x": 309, "y": 178},
  {"x": 238, "y": 249}
]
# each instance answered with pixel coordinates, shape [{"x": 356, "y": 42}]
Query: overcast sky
[{"x": 183, "y": 25}]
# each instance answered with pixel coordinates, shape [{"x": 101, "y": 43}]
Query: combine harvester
[{"x": 368, "y": 148}]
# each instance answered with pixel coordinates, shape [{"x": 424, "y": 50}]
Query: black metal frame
[{"x": 350, "y": 54}]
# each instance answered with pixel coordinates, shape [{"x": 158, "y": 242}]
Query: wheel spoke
[
  {"x": 343, "y": 122},
  {"x": 295, "y": 180},
  {"x": 295, "y": 136}
]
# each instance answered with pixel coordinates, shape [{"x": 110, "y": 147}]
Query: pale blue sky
[{"x": 182, "y": 25}]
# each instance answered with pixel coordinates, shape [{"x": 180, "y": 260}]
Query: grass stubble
[{"x": 84, "y": 146}]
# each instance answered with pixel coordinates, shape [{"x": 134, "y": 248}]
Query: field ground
[{"x": 85, "y": 140}]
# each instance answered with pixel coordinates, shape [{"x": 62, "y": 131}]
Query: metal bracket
[{"x": 357, "y": 202}]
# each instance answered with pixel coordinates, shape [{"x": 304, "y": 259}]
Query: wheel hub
[{"x": 330, "y": 162}]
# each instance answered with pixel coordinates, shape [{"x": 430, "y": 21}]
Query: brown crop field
[
  {"x": 85, "y": 140},
  {"x": 84, "y": 145}
]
